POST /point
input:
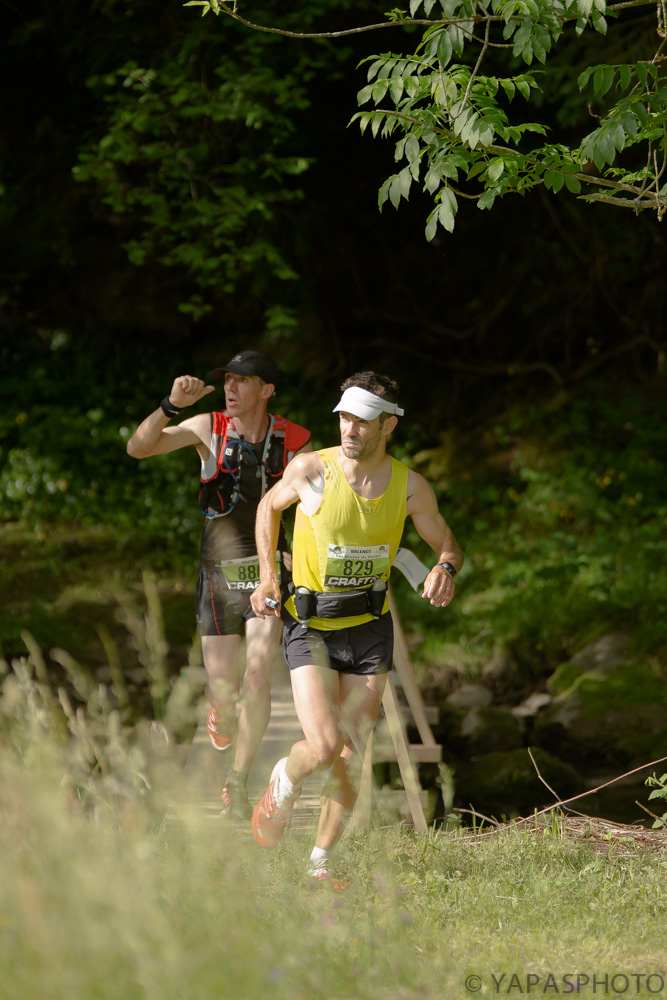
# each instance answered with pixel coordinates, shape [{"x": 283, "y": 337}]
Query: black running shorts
[
  {"x": 360, "y": 649},
  {"x": 221, "y": 611}
]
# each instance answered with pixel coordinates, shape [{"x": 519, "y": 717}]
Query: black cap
[{"x": 250, "y": 363}]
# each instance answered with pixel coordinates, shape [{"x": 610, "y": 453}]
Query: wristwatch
[{"x": 450, "y": 569}]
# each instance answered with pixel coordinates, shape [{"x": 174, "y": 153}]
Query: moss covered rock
[
  {"x": 614, "y": 714},
  {"x": 504, "y": 783}
]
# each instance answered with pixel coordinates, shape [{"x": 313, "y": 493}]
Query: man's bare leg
[
  {"x": 316, "y": 695},
  {"x": 330, "y": 706},
  {"x": 221, "y": 655},
  {"x": 359, "y": 707},
  {"x": 262, "y": 640},
  {"x": 322, "y": 698}
]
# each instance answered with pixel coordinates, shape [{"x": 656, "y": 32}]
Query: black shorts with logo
[
  {"x": 359, "y": 649},
  {"x": 221, "y": 611}
]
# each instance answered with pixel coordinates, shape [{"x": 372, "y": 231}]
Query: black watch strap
[{"x": 452, "y": 570}]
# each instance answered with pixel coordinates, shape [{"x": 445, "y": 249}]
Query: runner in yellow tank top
[
  {"x": 338, "y": 635},
  {"x": 350, "y": 541}
]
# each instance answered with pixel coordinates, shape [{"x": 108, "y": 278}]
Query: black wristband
[
  {"x": 450, "y": 569},
  {"x": 169, "y": 409}
]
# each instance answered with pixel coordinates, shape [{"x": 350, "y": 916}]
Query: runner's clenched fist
[{"x": 188, "y": 390}]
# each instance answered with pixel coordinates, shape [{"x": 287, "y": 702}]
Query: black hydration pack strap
[{"x": 314, "y": 603}]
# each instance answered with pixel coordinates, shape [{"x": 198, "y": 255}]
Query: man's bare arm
[
  {"x": 154, "y": 437},
  {"x": 431, "y": 525},
  {"x": 288, "y": 491}
]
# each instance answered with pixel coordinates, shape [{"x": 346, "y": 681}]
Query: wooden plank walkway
[{"x": 206, "y": 768}]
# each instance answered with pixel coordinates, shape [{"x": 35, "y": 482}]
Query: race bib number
[
  {"x": 355, "y": 565},
  {"x": 243, "y": 574}
]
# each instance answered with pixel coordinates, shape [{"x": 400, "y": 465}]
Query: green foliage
[
  {"x": 63, "y": 453},
  {"x": 462, "y": 136},
  {"x": 563, "y": 523},
  {"x": 659, "y": 786},
  {"x": 196, "y": 162}
]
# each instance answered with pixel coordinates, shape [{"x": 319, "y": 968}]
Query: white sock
[
  {"x": 284, "y": 787},
  {"x": 318, "y": 859}
]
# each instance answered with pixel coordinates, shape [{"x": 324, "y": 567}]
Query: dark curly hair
[{"x": 379, "y": 385}]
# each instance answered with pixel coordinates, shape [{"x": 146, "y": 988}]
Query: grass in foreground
[{"x": 124, "y": 902}]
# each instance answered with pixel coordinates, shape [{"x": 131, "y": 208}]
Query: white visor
[{"x": 361, "y": 403}]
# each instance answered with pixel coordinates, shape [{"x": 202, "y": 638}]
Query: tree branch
[
  {"x": 335, "y": 34},
  {"x": 221, "y": 5},
  {"x": 636, "y": 204}
]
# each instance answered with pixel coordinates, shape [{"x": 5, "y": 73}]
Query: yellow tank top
[{"x": 350, "y": 541}]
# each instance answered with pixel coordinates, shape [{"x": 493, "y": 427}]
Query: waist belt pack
[{"x": 314, "y": 603}]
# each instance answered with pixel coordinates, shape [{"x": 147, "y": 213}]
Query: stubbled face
[
  {"x": 359, "y": 438},
  {"x": 244, "y": 393}
]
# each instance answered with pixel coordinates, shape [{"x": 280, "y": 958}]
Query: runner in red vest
[{"x": 243, "y": 452}]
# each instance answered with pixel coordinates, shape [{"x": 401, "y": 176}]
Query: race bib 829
[{"x": 355, "y": 565}]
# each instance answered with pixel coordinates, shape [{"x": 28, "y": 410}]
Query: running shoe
[
  {"x": 270, "y": 819},
  {"x": 325, "y": 877},
  {"x": 235, "y": 802},
  {"x": 221, "y": 741}
]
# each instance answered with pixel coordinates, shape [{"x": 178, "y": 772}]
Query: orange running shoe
[
  {"x": 270, "y": 819},
  {"x": 325, "y": 877},
  {"x": 221, "y": 741}
]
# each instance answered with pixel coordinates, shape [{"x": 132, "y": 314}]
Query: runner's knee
[{"x": 325, "y": 750}]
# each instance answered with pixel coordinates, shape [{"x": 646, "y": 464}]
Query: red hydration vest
[{"x": 220, "y": 490}]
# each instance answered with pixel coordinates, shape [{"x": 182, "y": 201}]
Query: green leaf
[
  {"x": 405, "y": 182},
  {"x": 432, "y": 181},
  {"x": 374, "y": 68},
  {"x": 572, "y": 183},
  {"x": 411, "y": 84},
  {"x": 625, "y": 76},
  {"x": 376, "y": 122},
  {"x": 584, "y": 7},
  {"x": 585, "y": 77},
  {"x": 487, "y": 199},
  {"x": 457, "y": 37},
  {"x": 470, "y": 131},
  {"x": 496, "y": 168},
  {"x": 412, "y": 149},
  {"x": 603, "y": 79},
  {"x": 444, "y": 49},
  {"x": 365, "y": 94},
  {"x": 599, "y": 22},
  {"x": 395, "y": 89},
  {"x": 431, "y": 225},
  {"x": 617, "y": 135},
  {"x": 607, "y": 146},
  {"x": 383, "y": 193},
  {"x": 446, "y": 215},
  {"x": 509, "y": 88},
  {"x": 363, "y": 117},
  {"x": 629, "y": 123},
  {"x": 395, "y": 190}
]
